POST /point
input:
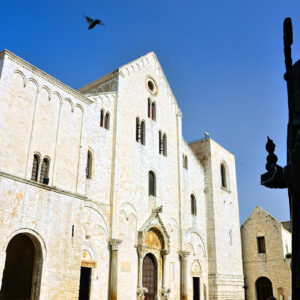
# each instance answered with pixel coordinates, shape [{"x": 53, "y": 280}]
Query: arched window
[
  {"x": 101, "y": 117},
  {"x": 165, "y": 145},
  {"x": 160, "y": 143},
  {"x": 264, "y": 288},
  {"x": 193, "y": 205},
  {"x": 35, "y": 167},
  {"x": 153, "y": 111},
  {"x": 223, "y": 176},
  {"x": 88, "y": 170},
  {"x": 143, "y": 132},
  {"x": 185, "y": 162},
  {"x": 106, "y": 121},
  {"x": 137, "y": 129},
  {"x": 152, "y": 184},
  {"x": 149, "y": 108},
  {"x": 45, "y": 171}
]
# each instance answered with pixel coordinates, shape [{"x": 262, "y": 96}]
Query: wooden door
[
  {"x": 263, "y": 288},
  {"x": 149, "y": 276}
]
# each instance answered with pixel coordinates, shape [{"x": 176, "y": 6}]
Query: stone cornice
[
  {"x": 42, "y": 186},
  {"x": 26, "y": 65}
]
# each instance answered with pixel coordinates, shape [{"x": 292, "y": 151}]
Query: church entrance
[
  {"x": 21, "y": 275},
  {"x": 85, "y": 283},
  {"x": 196, "y": 288},
  {"x": 263, "y": 288},
  {"x": 149, "y": 276}
]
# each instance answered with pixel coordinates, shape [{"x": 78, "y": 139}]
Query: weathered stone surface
[
  {"x": 75, "y": 218},
  {"x": 271, "y": 264}
]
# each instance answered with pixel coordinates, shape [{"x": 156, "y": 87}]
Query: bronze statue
[{"x": 289, "y": 176}]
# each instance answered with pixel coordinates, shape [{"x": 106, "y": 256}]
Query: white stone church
[{"x": 102, "y": 198}]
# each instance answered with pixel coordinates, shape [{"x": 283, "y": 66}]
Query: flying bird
[{"x": 92, "y": 22}]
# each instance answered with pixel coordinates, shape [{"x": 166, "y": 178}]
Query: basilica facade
[{"x": 102, "y": 198}]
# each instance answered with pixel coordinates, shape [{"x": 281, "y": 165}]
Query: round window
[{"x": 151, "y": 85}]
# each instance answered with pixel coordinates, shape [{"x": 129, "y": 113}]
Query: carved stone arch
[
  {"x": 127, "y": 208},
  {"x": 155, "y": 223},
  {"x": 132, "y": 67},
  {"x": 102, "y": 217},
  {"x": 191, "y": 231},
  {"x": 71, "y": 103},
  {"x": 48, "y": 90},
  {"x": 34, "y": 81},
  {"x": 22, "y": 75},
  {"x": 196, "y": 270},
  {"x": 58, "y": 95},
  {"x": 91, "y": 254},
  {"x": 260, "y": 233},
  {"x": 128, "y": 73}
]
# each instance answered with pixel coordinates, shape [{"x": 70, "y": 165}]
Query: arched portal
[
  {"x": 264, "y": 288},
  {"x": 150, "y": 276},
  {"x": 22, "y": 271}
]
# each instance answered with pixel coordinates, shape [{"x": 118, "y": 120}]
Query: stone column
[
  {"x": 114, "y": 243},
  {"x": 140, "y": 289},
  {"x": 183, "y": 284},
  {"x": 164, "y": 290}
]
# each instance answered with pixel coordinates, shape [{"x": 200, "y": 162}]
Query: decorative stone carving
[{"x": 114, "y": 243}]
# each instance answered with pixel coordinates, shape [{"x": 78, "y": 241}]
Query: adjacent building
[
  {"x": 266, "y": 245},
  {"x": 102, "y": 198}
]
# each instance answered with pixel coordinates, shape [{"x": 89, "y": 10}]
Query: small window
[
  {"x": 45, "y": 171},
  {"x": 149, "y": 108},
  {"x": 35, "y": 167},
  {"x": 143, "y": 132},
  {"x": 152, "y": 184},
  {"x": 153, "y": 111},
  {"x": 160, "y": 143},
  {"x": 106, "y": 122},
  {"x": 137, "y": 130},
  {"x": 88, "y": 170},
  {"x": 101, "y": 117},
  {"x": 185, "y": 161},
  {"x": 261, "y": 244},
  {"x": 193, "y": 205},
  {"x": 223, "y": 176},
  {"x": 165, "y": 145}
]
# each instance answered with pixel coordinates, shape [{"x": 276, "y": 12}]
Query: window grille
[
  {"x": 165, "y": 145},
  {"x": 35, "y": 167},
  {"x": 44, "y": 171},
  {"x": 143, "y": 132}
]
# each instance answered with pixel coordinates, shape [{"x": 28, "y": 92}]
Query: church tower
[{"x": 225, "y": 270}]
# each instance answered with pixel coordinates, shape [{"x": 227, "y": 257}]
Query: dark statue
[{"x": 289, "y": 176}]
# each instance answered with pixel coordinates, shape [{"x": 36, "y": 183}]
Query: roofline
[
  {"x": 45, "y": 75},
  {"x": 98, "y": 81}
]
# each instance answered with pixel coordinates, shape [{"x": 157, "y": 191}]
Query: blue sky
[{"x": 223, "y": 59}]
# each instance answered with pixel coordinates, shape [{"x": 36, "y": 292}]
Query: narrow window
[
  {"x": 193, "y": 205},
  {"x": 165, "y": 145},
  {"x": 186, "y": 161},
  {"x": 143, "y": 132},
  {"x": 230, "y": 237},
  {"x": 137, "y": 130},
  {"x": 149, "y": 108},
  {"x": 153, "y": 111},
  {"x": 261, "y": 246},
  {"x": 223, "y": 176},
  {"x": 35, "y": 167},
  {"x": 101, "y": 117},
  {"x": 160, "y": 143},
  {"x": 88, "y": 170},
  {"x": 45, "y": 171},
  {"x": 152, "y": 184},
  {"x": 106, "y": 121}
]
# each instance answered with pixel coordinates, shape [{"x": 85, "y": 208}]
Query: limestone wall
[{"x": 271, "y": 264}]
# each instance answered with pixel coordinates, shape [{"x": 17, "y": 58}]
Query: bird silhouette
[{"x": 92, "y": 22}]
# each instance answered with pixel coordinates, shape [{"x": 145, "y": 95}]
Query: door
[
  {"x": 196, "y": 288},
  {"x": 85, "y": 282},
  {"x": 264, "y": 288},
  {"x": 149, "y": 276}
]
